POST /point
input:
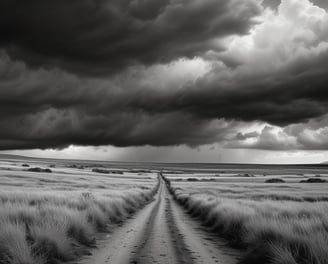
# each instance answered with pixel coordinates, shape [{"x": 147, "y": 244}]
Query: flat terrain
[
  {"x": 277, "y": 218},
  {"x": 52, "y": 212},
  {"x": 87, "y": 212}
]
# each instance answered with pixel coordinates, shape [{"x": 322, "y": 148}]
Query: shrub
[
  {"x": 104, "y": 171},
  {"x": 192, "y": 179},
  {"x": 313, "y": 180},
  {"x": 37, "y": 169},
  {"x": 275, "y": 180}
]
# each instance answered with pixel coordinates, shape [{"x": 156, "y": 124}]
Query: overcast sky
[{"x": 165, "y": 80}]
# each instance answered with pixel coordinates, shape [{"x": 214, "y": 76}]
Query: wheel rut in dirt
[{"x": 161, "y": 232}]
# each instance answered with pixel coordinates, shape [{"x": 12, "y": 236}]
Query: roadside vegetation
[
  {"x": 278, "y": 224},
  {"x": 53, "y": 219}
]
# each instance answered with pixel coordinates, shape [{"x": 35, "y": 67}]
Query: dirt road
[{"x": 161, "y": 233}]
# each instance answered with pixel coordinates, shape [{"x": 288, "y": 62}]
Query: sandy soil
[{"x": 161, "y": 233}]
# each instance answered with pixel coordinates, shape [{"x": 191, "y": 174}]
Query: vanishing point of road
[{"x": 161, "y": 232}]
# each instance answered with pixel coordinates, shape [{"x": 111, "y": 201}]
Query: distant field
[
  {"x": 54, "y": 215},
  {"x": 283, "y": 223}
]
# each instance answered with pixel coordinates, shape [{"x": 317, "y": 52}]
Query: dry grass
[
  {"x": 40, "y": 228},
  {"x": 55, "y": 218},
  {"x": 279, "y": 227}
]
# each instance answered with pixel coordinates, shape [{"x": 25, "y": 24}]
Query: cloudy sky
[{"x": 165, "y": 80}]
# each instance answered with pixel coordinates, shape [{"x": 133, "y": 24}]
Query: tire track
[
  {"x": 163, "y": 243},
  {"x": 162, "y": 233}
]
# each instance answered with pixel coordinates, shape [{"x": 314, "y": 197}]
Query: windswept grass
[
  {"x": 58, "y": 220},
  {"x": 271, "y": 229},
  {"x": 40, "y": 228}
]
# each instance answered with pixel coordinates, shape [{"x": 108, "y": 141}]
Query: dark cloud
[
  {"x": 274, "y": 4},
  {"x": 277, "y": 79},
  {"x": 243, "y": 136},
  {"x": 291, "y": 99},
  {"x": 321, "y": 3},
  {"x": 58, "y": 129},
  {"x": 53, "y": 109},
  {"x": 98, "y": 36}
]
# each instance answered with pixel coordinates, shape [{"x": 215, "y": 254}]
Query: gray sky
[{"x": 165, "y": 80}]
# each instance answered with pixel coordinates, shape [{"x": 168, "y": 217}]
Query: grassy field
[
  {"x": 52, "y": 211},
  {"x": 279, "y": 223},
  {"x": 55, "y": 215}
]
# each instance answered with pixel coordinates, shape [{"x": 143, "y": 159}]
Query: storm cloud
[
  {"x": 161, "y": 73},
  {"x": 99, "y": 37}
]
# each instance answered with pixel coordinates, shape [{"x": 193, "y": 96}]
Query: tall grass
[
  {"x": 49, "y": 227},
  {"x": 273, "y": 231}
]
